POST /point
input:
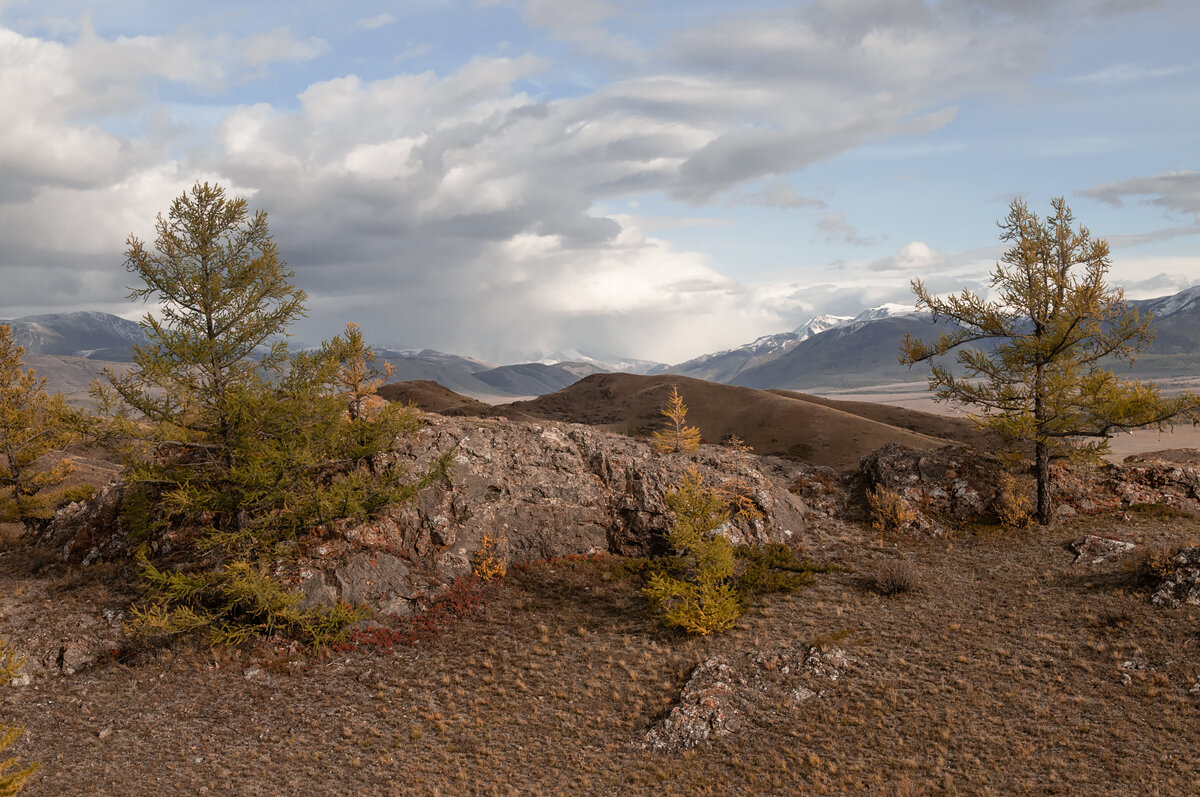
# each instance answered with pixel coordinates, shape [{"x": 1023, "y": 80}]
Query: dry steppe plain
[{"x": 1009, "y": 669}]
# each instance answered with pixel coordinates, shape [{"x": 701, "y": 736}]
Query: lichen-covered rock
[
  {"x": 1162, "y": 477},
  {"x": 721, "y": 692},
  {"x": 536, "y": 491},
  {"x": 1092, "y": 550},
  {"x": 1182, "y": 585},
  {"x": 952, "y": 482},
  {"x": 87, "y": 531},
  {"x": 705, "y": 709}
]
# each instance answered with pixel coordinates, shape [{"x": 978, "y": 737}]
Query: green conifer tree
[
  {"x": 35, "y": 428},
  {"x": 1052, "y": 326},
  {"x": 705, "y": 600},
  {"x": 249, "y": 445}
]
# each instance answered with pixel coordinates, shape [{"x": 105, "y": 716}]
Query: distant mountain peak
[
  {"x": 818, "y": 324},
  {"x": 885, "y": 310},
  {"x": 1165, "y": 306}
]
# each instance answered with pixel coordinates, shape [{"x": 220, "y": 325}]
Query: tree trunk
[
  {"x": 1042, "y": 457},
  {"x": 1041, "y": 450}
]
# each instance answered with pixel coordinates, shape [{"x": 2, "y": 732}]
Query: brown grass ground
[{"x": 1000, "y": 674}]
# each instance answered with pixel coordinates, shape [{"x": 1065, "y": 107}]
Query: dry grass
[
  {"x": 1005, "y": 679},
  {"x": 895, "y": 577}
]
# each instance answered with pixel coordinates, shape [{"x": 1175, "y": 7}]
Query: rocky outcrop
[
  {"x": 964, "y": 484},
  {"x": 1092, "y": 550},
  {"x": 1154, "y": 478},
  {"x": 537, "y": 491},
  {"x": 534, "y": 490},
  {"x": 719, "y": 692},
  {"x": 950, "y": 482},
  {"x": 86, "y": 531},
  {"x": 1182, "y": 584}
]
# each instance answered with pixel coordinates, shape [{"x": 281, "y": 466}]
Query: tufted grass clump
[
  {"x": 705, "y": 599},
  {"x": 895, "y": 577}
]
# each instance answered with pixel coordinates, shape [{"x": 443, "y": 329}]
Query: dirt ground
[{"x": 1002, "y": 673}]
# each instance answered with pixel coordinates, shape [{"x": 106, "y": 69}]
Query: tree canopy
[
  {"x": 34, "y": 427},
  {"x": 243, "y": 444},
  {"x": 1054, "y": 328}
]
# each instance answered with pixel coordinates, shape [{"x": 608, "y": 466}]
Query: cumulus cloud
[
  {"x": 459, "y": 209},
  {"x": 915, "y": 258}
]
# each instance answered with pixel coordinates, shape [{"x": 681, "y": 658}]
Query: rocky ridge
[{"x": 535, "y": 490}]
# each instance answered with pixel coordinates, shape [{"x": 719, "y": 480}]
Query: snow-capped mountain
[
  {"x": 600, "y": 361},
  {"x": 1166, "y": 306},
  {"x": 87, "y": 333},
  {"x": 731, "y": 364},
  {"x": 886, "y": 310},
  {"x": 817, "y": 325}
]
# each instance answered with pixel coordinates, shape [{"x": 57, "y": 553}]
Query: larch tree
[
  {"x": 243, "y": 444},
  {"x": 678, "y": 436},
  {"x": 1053, "y": 328},
  {"x": 224, "y": 295},
  {"x": 35, "y": 428}
]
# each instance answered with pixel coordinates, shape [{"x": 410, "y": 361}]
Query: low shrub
[
  {"x": 1012, "y": 505},
  {"x": 739, "y": 497},
  {"x": 12, "y": 775},
  {"x": 775, "y": 567},
  {"x": 890, "y": 511},
  {"x": 463, "y": 599},
  {"x": 489, "y": 563},
  {"x": 232, "y": 604},
  {"x": 1153, "y": 564},
  {"x": 76, "y": 492}
]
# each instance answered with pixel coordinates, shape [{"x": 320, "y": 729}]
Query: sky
[{"x": 505, "y": 179}]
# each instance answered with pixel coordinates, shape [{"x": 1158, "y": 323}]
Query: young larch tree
[{"x": 1054, "y": 327}]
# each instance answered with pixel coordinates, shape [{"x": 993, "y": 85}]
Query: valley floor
[{"x": 1009, "y": 670}]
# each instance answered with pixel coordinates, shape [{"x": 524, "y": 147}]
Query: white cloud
[
  {"x": 461, "y": 210},
  {"x": 1179, "y": 191},
  {"x": 836, "y": 229},
  {"x": 378, "y": 21},
  {"x": 280, "y": 45},
  {"x": 1126, "y": 73},
  {"x": 915, "y": 258}
]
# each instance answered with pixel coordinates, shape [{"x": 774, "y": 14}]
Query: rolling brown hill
[
  {"x": 818, "y": 431},
  {"x": 432, "y": 397},
  {"x": 956, "y": 428}
]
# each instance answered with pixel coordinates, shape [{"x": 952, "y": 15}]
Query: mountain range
[{"x": 827, "y": 352}]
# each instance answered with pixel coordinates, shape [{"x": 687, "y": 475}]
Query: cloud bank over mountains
[{"x": 502, "y": 199}]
